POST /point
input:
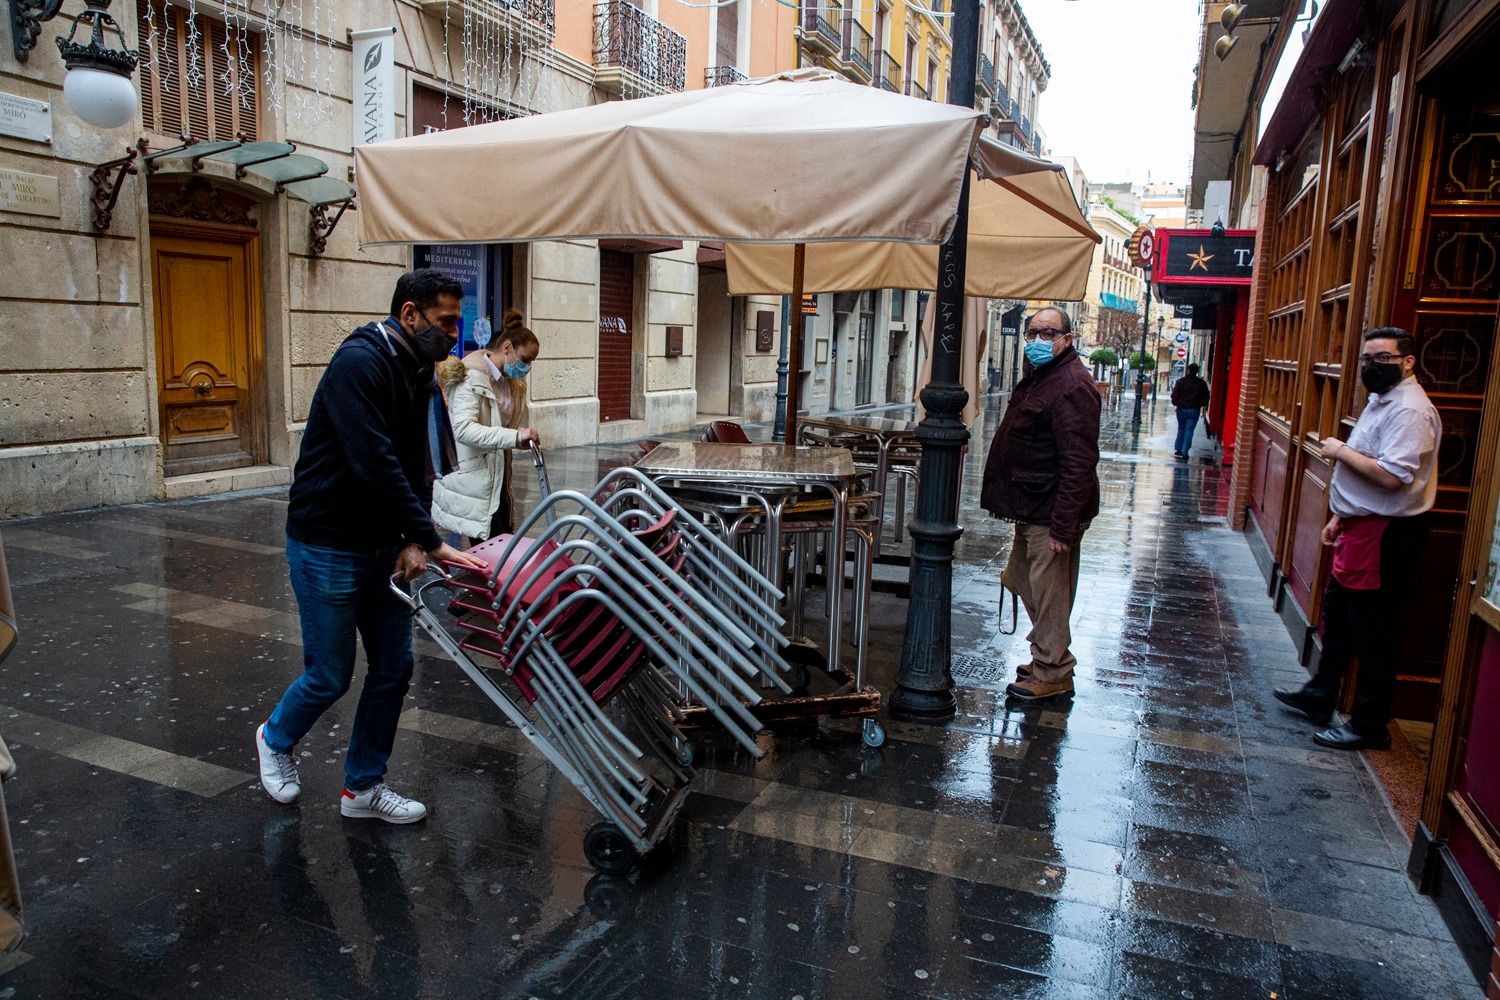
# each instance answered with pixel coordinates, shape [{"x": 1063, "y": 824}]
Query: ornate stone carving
[{"x": 201, "y": 201}]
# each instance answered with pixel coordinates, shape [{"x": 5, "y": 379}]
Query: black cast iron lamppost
[
  {"x": 97, "y": 87},
  {"x": 924, "y": 684}
]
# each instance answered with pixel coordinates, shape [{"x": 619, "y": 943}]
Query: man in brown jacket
[{"x": 1042, "y": 474}]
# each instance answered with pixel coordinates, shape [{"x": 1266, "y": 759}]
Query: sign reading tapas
[{"x": 1198, "y": 257}]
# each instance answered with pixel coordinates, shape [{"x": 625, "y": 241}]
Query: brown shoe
[
  {"x": 1031, "y": 689},
  {"x": 1023, "y": 671}
]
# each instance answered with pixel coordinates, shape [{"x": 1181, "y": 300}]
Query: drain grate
[{"x": 980, "y": 672}]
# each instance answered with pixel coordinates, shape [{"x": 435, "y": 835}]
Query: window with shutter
[{"x": 224, "y": 104}]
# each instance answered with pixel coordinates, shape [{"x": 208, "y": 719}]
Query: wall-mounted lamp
[
  {"x": 1231, "y": 16},
  {"x": 97, "y": 87},
  {"x": 1224, "y": 46}
]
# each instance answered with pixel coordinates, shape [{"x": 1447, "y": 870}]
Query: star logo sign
[{"x": 1199, "y": 259}]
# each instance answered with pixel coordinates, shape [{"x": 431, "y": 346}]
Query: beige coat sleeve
[{"x": 468, "y": 429}]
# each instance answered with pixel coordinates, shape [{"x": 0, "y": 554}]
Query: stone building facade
[{"x": 174, "y": 352}]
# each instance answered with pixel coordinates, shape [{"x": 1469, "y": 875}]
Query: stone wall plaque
[
  {"x": 30, "y": 194},
  {"x": 25, "y": 119}
]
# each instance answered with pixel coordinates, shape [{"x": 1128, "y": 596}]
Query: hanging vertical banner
[{"x": 374, "y": 85}]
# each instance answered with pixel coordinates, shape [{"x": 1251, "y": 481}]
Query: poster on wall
[{"x": 465, "y": 263}]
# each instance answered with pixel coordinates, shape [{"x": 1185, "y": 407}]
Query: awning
[
  {"x": 299, "y": 175},
  {"x": 1340, "y": 24}
]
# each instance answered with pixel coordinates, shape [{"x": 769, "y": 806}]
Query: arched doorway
[{"x": 210, "y": 340}]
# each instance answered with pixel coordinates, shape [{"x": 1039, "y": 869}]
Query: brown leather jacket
[{"x": 1043, "y": 464}]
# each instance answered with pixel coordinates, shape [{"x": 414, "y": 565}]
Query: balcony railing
[
  {"x": 821, "y": 23},
  {"x": 859, "y": 47},
  {"x": 1040, "y": 144},
  {"x": 890, "y": 73},
  {"x": 918, "y": 90},
  {"x": 1002, "y": 97},
  {"x": 987, "y": 74},
  {"x": 1026, "y": 129},
  {"x": 633, "y": 50},
  {"x": 532, "y": 23},
  {"x": 718, "y": 76}
]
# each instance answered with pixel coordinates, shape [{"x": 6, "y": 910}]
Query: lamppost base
[{"x": 912, "y": 705}]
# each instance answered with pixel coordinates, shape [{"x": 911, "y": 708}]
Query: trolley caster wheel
[
  {"x": 608, "y": 849},
  {"x": 873, "y": 734}
]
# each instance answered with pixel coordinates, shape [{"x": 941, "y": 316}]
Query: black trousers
[{"x": 1364, "y": 625}]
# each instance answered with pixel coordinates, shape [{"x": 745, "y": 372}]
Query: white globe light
[{"x": 99, "y": 97}]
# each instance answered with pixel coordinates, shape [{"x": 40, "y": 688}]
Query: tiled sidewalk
[{"x": 1174, "y": 834}]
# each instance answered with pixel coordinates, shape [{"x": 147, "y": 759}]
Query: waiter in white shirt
[{"x": 1384, "y": 479}]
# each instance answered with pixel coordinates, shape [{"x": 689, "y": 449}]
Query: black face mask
[{"x": 1379, "y": 378}]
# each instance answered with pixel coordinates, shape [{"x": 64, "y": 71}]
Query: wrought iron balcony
[
  {"x": 718, "y": 76},
  {"x": 1002, "y": 97},
  {"x": 917, "y": 90},
  {"x": 1026, "y": 129},
  {"x": 1039, "y": 143},
  {"x": 820, "y": 27},
  {"x": 890, "y": 73},
  {"x": 859, "y": 48},
  {"x": 986, "y": 74},
  {"x": 636, "y": 53},
  {"x": 533, "y": 23}
]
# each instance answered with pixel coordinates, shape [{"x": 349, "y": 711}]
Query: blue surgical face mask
[
  {"x": 517, "y": 369},
  {"x": 1038, "y": 352}
]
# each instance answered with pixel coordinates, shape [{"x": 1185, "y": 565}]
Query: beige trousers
[{"x": 1047, "y": 584}]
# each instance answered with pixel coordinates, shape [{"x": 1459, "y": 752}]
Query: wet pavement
[{"x": 1172, "y": 834}]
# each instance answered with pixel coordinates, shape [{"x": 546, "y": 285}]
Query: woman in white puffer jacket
[{"x": 487, "y": 405}]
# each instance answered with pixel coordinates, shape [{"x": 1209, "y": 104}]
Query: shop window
[
  {"x": 175, "y": 52},
  {"x": 484, "y": 271}
]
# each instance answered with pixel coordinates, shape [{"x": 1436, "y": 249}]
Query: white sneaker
[
  {"x": 379, "y": 802},
  {"x": 278, "y": 771}
]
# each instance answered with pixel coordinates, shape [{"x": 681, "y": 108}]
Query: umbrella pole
[
  {"x": 794, "y": 338},
  {"x": 924, "y": 683}
]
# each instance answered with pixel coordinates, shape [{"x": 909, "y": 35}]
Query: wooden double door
[{"x": 209, "y": 346}]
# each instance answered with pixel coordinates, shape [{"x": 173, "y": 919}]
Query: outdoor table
[
  {"x": 772, "y": 476},
  {"x": 884, "y": 433}
]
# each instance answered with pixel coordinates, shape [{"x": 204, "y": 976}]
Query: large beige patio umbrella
[
  {"x": 1027, "y": 240},
  {"x": 796, "y": 158}
]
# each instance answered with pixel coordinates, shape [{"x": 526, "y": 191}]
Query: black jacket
[
  {"x": 1043, "y": 464},
  {"x": 1190, "y": 393},
  {"x": 361, "y": 477}
]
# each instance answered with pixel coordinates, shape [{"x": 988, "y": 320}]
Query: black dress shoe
[
  {"x": 1346, "y": 737},
  {"x": 1315, "y": 709}
]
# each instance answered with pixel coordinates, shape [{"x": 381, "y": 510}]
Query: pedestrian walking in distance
[
  {"x": 377, "y": 435},
  {"x": 487, "y": 404},
  {"x": 1384, "y": 481},
  {"x": 1042, "y": 473},
  {"x": 1189, "y": 396}
]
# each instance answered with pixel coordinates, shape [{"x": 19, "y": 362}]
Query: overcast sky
[{"x": 1122, "y": 77}]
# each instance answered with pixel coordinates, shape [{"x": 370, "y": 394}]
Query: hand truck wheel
[
  {"x": 608, "y": 849},
  {"x": 873, "y": 733}
]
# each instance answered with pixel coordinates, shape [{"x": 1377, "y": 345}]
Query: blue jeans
[
  {"x": 339, "y": 592},
  {"x": 1187, "y": 422}
]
